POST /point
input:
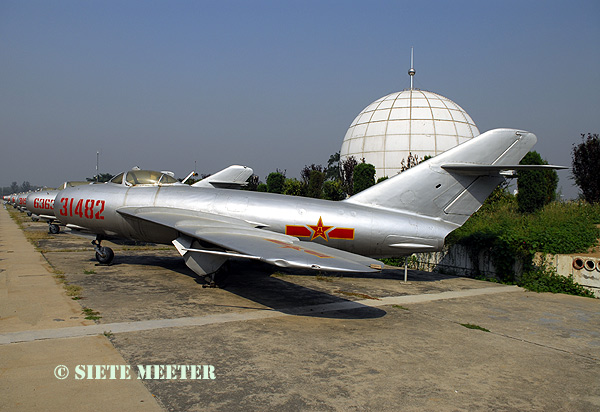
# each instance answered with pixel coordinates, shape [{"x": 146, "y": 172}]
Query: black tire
[
  {"x": 105, "y": 256},
  {"x": 54, "y": 229}
]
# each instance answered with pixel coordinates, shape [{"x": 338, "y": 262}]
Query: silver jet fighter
[
  {"x": 41, "y": 204},
  {"x": 408, "y": 213}
]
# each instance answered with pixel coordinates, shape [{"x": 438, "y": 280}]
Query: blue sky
[{"x": 275, "y": 84}]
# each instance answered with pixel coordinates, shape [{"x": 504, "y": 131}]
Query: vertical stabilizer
[{"x": 455, "y": 193}]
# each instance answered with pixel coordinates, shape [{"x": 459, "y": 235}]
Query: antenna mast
[{"x": 412, "y": 71}]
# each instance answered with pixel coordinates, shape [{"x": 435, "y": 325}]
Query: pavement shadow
[{"x": 253, "y": 281}]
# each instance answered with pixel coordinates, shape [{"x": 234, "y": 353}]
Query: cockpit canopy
[{"x": 144, "y": 177}]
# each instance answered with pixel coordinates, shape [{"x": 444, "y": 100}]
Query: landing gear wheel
[
  {"x": 210, "y": 282},
  {"x": 105, "y": 255},
  {"x": 53, "y": 228},
  {"x": 218, "y": 278}
]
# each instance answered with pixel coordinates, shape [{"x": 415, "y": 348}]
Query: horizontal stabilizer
[
  {"x": 453, "y": 185},
  {"x": 480, "y": 170}
]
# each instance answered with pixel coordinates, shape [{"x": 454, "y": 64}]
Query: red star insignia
[{"x": 319, "y": 230}]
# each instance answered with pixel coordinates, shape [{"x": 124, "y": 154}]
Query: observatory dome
[{"x": 413, "y": 122}]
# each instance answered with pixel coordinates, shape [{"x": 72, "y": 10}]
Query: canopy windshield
[{"x": 148, "y": 177}]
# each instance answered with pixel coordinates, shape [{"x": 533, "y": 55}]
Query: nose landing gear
[{"x": 104, "y": 255}]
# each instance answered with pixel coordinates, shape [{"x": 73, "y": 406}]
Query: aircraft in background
[
  {"x": 40, "y": 204},
  {"x": 411, "y": 212}
]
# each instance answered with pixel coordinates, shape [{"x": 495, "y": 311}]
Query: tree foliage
[
  {"x": 347, "y": 174},
  {"x": 586, "y": 166},
  {"x": 364, "y": 177},
  {"x": 411, "y": 161},
  {"x": 275, "y": 182},
  {"x": 293, "y": 187},
  {"x": 536, "y": 188},
  {"x": 333, "y": 167},
  {"x": 332, "y": 190},
  {"x": 315, "y": 184}
]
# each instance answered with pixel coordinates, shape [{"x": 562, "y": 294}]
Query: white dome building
[{"x": 413, "y": 122}]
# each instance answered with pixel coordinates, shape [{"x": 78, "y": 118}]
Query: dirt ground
[{"x": 520, "y": 351}]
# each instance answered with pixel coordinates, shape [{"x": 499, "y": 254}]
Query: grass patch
[
  {"x": 89, "y": 272},
  {"x": 19, "y": 217},
  {"x": 471, "y": 326},
  {"x": 324, "y": 278},
  {"x": 73, "y": 291},
  {"x": 545, "y": 279},
  {"x": 91, "y": 314},
  {"x": 60, "y": 277},
  {"x": 355, "y": 294},
  {"x": 34, "y": 237},
  {"x": 400, "y": 307}
]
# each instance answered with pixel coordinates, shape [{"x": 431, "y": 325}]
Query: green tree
[
  {"x": 536, "y": 188},
  {"x": 586, "y": 167},
  {"x": 293, "y": 187},
  {"x": 315, "y": 184},
  {"x": 333, "y": 167},
  {"x": 275, "y": 182},
  {"x": 332, "y": 190},
  {"x": 347, "y": 174},
  {"x": 364, "y": 177},
  {"x": 307, "y": 170}
]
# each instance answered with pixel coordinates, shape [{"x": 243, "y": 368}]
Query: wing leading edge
[{"x": 214, "y": 239}]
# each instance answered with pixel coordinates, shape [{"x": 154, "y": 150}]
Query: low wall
[
  {"x": 456, "y": 260},
  {"x": 584, "y": 269}
]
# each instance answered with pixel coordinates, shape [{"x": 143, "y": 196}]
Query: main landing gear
[
  {"x": 104, "y": 255},
  {"x": 53, "y": 228},
  {"x": 217, "y": 279}
]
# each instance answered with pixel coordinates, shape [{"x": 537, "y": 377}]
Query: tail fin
[
  {"x": 232, "y": 177},
  {"x": 454, "y": 184}
]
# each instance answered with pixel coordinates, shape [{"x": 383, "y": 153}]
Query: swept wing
[{"x": 226, "y": 237}]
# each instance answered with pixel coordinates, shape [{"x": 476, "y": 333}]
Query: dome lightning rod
[{"x": 411, "y": 71}]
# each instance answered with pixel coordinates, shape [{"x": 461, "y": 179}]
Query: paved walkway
[
  {"x": 31, "y": 300},
  {"x": 120, "y": 327}
]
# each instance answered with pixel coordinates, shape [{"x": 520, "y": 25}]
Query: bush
[
  {"x": 559, "y": 228},
  {"x": 545, "y": 279}
]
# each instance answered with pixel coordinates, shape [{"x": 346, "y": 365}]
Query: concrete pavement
[
  {"x": 32, "y": 300},
  {"x": 291, "y": 341}
]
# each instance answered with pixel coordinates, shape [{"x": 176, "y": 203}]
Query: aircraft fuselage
[{"x": 342, "y": 225}]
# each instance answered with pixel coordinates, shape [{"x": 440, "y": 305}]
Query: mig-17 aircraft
[
  {"x": 411, "y": 212},
  {"x": 41, "y": 204}
]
